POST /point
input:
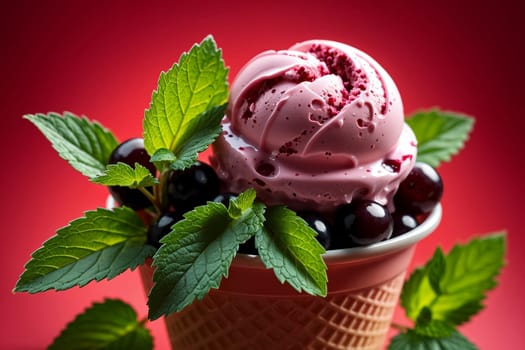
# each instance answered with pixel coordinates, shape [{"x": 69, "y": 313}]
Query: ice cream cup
[{"x": 253, "y": 310}]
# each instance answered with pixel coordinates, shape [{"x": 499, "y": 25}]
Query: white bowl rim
[{"x": 393, "y": 244}]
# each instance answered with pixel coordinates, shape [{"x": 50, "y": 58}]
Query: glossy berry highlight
[
  {"x": 420, "y": 192},
  {"x": 403, "y": 223},
  {"x": 363, "y": 222}
]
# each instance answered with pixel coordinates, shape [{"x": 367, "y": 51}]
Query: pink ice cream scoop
[{"x": 313, "y": 127}]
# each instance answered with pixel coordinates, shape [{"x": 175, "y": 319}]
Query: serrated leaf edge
[{"x": 26, "y": 286}]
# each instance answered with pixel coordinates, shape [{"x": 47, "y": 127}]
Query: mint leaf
[
  {"x": 417, "y": 293},
  {"x": 440, "y": 134},
  {"x": 288, "y": 246},
  {"x": 84, "y": 144},
  {"x": 453, "y": 286},
  {"x": 200, "y": 133},
  {"x": 414, "y": 341},
  {"x": 193, "y": 86},
  {"x": 241, "y": 203},
  {"x": 102, "y": 244},
  {"x": 111, "y": 324},
  {"x": 197, "y": 254},
  {"x": 122, "y": 174},
  {"x": 470, "y": 272},
  {"x": 434, "y": 328},
  {"x": 436, "y": 270},
  {"x": 163, "y": 158}
]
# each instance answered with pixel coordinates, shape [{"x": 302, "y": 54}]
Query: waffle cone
[
  {"x": 252, "y": 310},
  {"x": 277, "y": 317}
]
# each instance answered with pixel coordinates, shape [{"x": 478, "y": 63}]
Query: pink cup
[{"x": 252, "y": 310}]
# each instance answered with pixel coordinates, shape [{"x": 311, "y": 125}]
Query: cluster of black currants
[
  {"x": 185, "y": 189},
  {"x": 359, "y": 223},
  {"x": 363, "y": 222}
]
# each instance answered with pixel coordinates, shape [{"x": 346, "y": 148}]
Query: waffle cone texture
[{"x": 252, "y": 310}]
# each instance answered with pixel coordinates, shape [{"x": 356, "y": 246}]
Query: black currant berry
[
  {"x": 363, "y": 222},
  {"x": 161, "y": 228},
  {"x": 192, "y": 187},
  {"x": 420, "y": 192},
  {"x": 403, "y": 223},
  {"x": 248, "y": 247},
  {"x": 130, "y": 152},
  {"x": 319, "y": 225}
]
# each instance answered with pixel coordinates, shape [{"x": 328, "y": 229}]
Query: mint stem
[
  {"x": 161, "y": 191},
  {"x": 143, "y": 321},
  {"x": 151, "y": 198},
  {"x": 399, "y": 327}
]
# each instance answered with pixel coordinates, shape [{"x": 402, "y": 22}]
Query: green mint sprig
[
  {"x": 440, "y": 134},
  {"x": 187, "y": 107},
  {"x": 197, "y": 253},
  {"x": 105, "y": 243},
  {"x": 101, "y": 245},
  {"x": 447, "y": 292},
  {"x": 111, "y": 324}
]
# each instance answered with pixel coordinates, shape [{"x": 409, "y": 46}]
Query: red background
[{"x": 104, "y": 60}]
